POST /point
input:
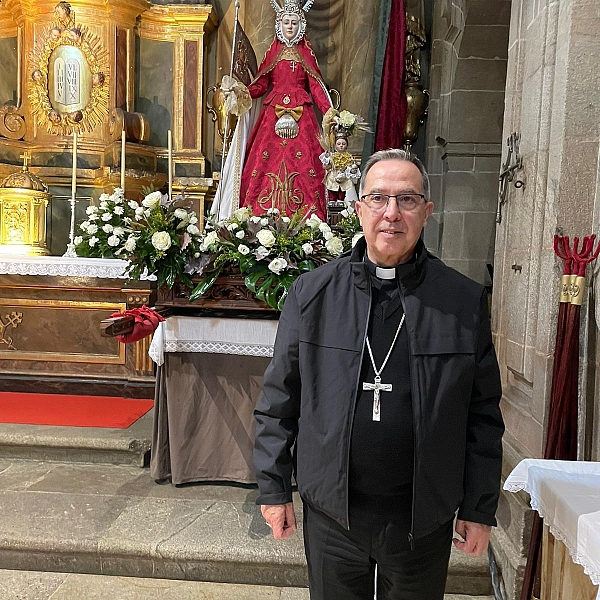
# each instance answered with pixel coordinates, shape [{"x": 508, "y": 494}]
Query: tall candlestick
[
  {"x": 71, "y": 245},
  {"x": 74, "y": 169},
  {"x": 123, "y": 160},
  {"x": 170, "y": 152}
]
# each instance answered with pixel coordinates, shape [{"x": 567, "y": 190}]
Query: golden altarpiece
[{"x": 94, "y": 70}]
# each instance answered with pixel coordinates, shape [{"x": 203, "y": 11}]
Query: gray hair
[{"x": 395, "y": 154}]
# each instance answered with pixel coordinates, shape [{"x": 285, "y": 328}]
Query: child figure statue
[{"x": 341, "y": 170}]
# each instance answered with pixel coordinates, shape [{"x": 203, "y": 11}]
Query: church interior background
[{"x": 492, "y": 69}]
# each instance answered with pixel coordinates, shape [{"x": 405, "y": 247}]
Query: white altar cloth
[
  {"x": 566, "y": 494},
  {"x": 63, "y": 266},
  {"x": 245, "y": 337}
]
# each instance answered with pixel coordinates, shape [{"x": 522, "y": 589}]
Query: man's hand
[
  {"x": 280, "y": 518},
  {"x": 476, "y": 537}
]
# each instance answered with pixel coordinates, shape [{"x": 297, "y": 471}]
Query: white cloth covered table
[
  {"x": 244, "y": 337},
  {"x": 208, "y": 381},
  {"x": 566, "y": 494}
]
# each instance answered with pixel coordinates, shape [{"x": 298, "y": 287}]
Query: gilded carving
[
  {"x": 12, "y": 123},
  {"x": 12, "y": 320},
  {"x": 69, "y": 88}
]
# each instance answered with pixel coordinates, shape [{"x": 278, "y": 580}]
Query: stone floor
[{"x": 79, "y": 527}]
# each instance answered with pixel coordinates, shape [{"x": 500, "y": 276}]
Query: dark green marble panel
[
  {"x": 58, "y": 216},
  {"x": 8, "y": 70},
  {"x": 188, "y": 170},
  {"x": 154, "y": 86}
]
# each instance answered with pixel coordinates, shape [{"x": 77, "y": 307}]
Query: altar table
[
  {"x": 566, "y": 494},
  {"x": 208, "y": 381}
]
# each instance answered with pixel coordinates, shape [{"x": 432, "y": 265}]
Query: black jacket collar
[{"x": 408, "y": 276}]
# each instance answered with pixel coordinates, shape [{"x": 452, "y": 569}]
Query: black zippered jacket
[{"x": 311, "y": 384}]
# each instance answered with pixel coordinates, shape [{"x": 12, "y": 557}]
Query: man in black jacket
[{"x": 385, "y": 383}]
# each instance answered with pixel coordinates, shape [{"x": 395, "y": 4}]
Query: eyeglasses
[{"x": 405, "y": 202}]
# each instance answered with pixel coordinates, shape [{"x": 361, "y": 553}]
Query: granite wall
[
  {"x": 464, "y": 130},
  {"x": 553, "y": 101}
]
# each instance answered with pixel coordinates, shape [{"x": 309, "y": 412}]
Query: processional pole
[{"x": 226, "y": 128}]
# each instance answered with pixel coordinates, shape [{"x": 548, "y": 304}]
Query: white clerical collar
[{"x": 385, "y": 272}]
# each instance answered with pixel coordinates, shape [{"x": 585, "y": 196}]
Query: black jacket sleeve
[
  {"x": 483, "y": 462},
  {"x": 278, "y": 411}
]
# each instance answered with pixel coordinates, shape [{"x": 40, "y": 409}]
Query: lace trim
[
  {"x": 156, "y": 355},
  {"x": 218, "y": 348},
  {"x": 64, "y": 267},
  {"x": 577, "y": 558}
]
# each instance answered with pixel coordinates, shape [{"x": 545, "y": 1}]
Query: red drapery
[{"x": 391, "y": 117}]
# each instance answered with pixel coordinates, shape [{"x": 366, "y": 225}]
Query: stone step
[
  {"x": 78, "y": 444},
  {"x": 36, "y": 585},
  {"x": 114, "y": 520}
]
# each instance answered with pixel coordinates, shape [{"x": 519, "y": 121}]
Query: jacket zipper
[
  {"x": 362, "y": 352},
  {"x": 411, "y": 539}
]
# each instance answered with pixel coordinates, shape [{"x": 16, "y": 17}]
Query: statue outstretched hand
[{"x": 237, "y": 96}]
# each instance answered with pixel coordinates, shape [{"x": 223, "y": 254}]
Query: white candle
[
  {"x": 74, "y": 169},
  {"x": 123, "y": 160},
  {"x": 170, "y": 159}
]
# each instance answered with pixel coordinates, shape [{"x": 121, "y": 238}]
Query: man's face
[
  {"x": 289, "y": 26},
  {"x": 392, "y": 235}
]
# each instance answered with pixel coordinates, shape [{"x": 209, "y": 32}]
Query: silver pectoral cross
[
  {"x": 377, "y": 388},
  {"x": 293, "y": 66}
]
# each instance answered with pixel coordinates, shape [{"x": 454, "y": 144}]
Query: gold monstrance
[{"x": 23, "y": 202}]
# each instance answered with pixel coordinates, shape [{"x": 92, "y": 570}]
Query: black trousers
[{"x": 341, "y": 563}]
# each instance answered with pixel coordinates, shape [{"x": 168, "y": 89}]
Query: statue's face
[
  {"x": 290, "y": 24},
  {"x": 341, "y": 144}
]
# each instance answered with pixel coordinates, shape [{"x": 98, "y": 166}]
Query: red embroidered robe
[{"x": 286, "y": 173}]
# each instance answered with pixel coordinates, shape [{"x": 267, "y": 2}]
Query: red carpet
[{"x": 74, "y": 411}]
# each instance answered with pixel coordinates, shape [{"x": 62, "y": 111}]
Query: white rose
[
  {"x": 355, "y": 239},
  {"x": 241, "y": 214},
  {"x": 133, "y": 204},
  {"x": 193, "y": 230},
  {"x": 193, "y": 219},
  {"x": 93, "y": 241},
  {"x": 264, "y": 222},
  {"x": 113, "y": 240},
  {"x": 152, "y": 200},
  {"x": 181, "y": 214},
  {"x": 92, "y": 229},
  {"x": 266, "y": 238},
  {"x": 119, "y": 210},
  {"x": 90, "y": 210},
  {"x": 240, "y": 235},
  {"x": 277, "y": 265},
  {"x": 255, "y": 219},
  {"x": 119, "y": 231},
  {"x": 261, "y": 252},
  {"x": 314, "y": 221},
  {"x": 327, "y": 235},
  {"x": 107, "y": 216},
  {"x": 243, "y": 249},
  {"x": 130, "y": 244},
  {"x": 307, "y": 248},
  {"x": 108, "y": 228},
  {"x": 346, "y": 118},
  {"x": 324, "y": 228},
  {"x": 285, "y": 219},
  {"x": 232, "y": 226},
  {"x": 139, "y": 211},
  {"x": 161, "y": 240},
  {"x": 273, "y": 211},
  {"x": 77, "y": 240},
  {"x": 334, "y": 246},
  {"x": 210, "y": 238}
]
